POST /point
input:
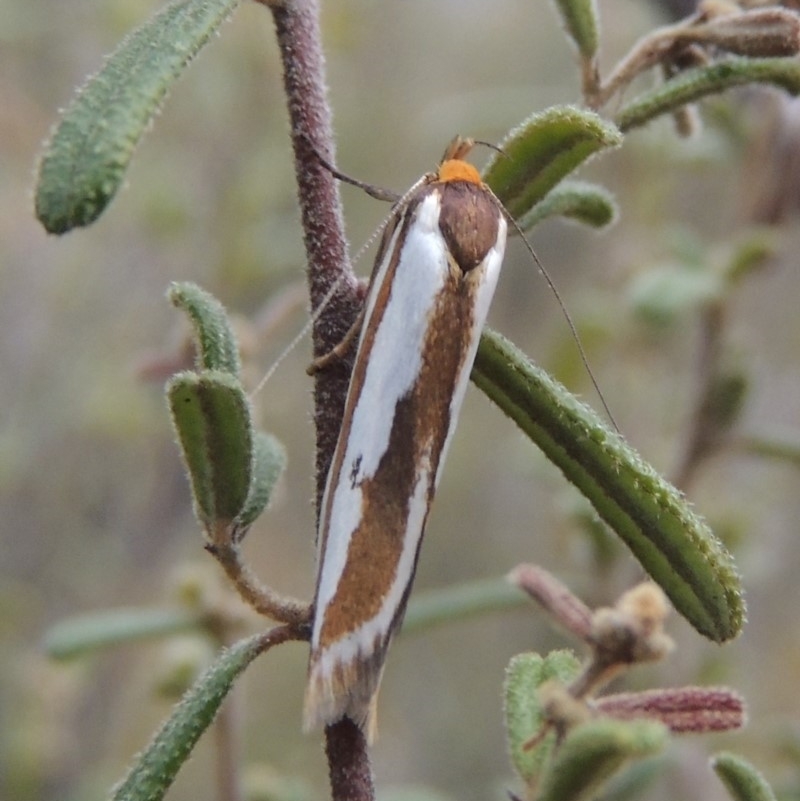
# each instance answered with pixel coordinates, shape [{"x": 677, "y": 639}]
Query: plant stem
[
  {"x": 350, "y": 772},
  {"x": 299, "y": 40},
  {"x": 255, "y": 594},
  {"x": 297, "y": 27}
]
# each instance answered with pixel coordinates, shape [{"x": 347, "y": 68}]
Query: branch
[{"x": 297, "y": 28}]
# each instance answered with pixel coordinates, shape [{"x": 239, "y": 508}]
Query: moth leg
[
  {"x": 378, "y": 192},
  {"x": 338, "y": 351}
]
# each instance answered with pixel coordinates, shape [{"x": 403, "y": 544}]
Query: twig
[
  {"x": 255, "y": 594},
  {"x": 299, "y": 41}
]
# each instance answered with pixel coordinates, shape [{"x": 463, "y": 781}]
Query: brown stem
[
  {"x": 297, "y": 27},
  {"x": 299, "y": 41},
  {"x": 350, "y": 772},
  {"x": 255, "y": 594},
  {"x": 646, "y": 53}
]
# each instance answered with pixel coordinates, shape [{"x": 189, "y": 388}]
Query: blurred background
[{"x": 95, "y": 507}]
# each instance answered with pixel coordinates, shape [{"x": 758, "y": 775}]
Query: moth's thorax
[{"x": 469, "y": 219}]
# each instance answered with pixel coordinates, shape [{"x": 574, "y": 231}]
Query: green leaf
[
  {"x": 542, "y": 151},
  {"x": 268, "y": 464},
  {"x": 217, "y": 348},
  {"x": 694, "y": 84},
  {"x": 594, "y": 751},
  {"x": 460, "y": 601},
  {"x": 156, "y": 767},
  {"x": 673, "y": 545},
  {"x": 86, "y": 159},
  {"x": 583, "y": 202},
  {"x": 742, "y": 781},
  {"x": 580, "y": 21},
  {"x": 523, "y": 709},
  {"x": 80, "y": 635},
  {"x": 211, "y": 415}
]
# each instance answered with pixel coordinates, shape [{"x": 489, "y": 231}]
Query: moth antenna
[
  {"x": 298, "y": 338},
  {"x": 572, "y": 327},
  {"x": 373, "y": 191},
  {"x": 491, "y": 146},
  {"x": 369, "y": 241},
  {"x": 315, "y": 315}
]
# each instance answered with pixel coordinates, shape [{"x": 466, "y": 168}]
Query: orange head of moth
[{"x": 453, "y": 167}]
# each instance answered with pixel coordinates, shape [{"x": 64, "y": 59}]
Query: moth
[{"x": 432, "y": 283}]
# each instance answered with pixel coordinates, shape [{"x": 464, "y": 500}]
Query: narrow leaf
[
  {"x": 80, "y": 635},
  {"x": 674, "y": 545},
  {"x": 542, "y": 151},
  {"x": 583, "y": 202},
  {"x": 268, "y": 464},
  {"x": 593, "y": 752},
  {"x": 156, "y": 767},
  {"x": 217, "y": 348},
  {"x": 742, "y": 781},
  {"x": 85, "y": 160},
  {"x": 435, "y": 607},
  {"x": 580, "y": 21},
  {"x": 211, "y": 416},
  {"x": 694, "y": 84},
  {"x": 523, "y": 709}
]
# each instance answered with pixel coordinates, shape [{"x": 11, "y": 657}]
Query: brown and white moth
[{"x": 433, "y": 281}]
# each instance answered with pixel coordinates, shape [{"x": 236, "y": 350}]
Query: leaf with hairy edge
[
  {"x": 694, "y": 84},
  {"x": 211, "y": 415},
  {"x": 523, "y": 708},
  {"x": 542, "y": 151},
  {"x": 742, "y": 781},
  {"x": 671, "y": 542},
  {"x": 156, "y": 767},
  {"x": 217, "y": 348},
  {"x": 86, "y": 158},
  {"x": 583, "y": 202},
  {"x": 269, "y": 460},
  {"x": 594, "y": 751}
]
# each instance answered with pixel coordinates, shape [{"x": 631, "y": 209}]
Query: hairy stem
[{"x": 329, "y": 271}]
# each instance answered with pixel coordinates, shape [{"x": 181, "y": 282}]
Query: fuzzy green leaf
[
  {"x": 80, "y": 635},
  {"x": 211, "y": 415},
  {"x": 268, "y": 464},
  {"x": 594, "y": 751},
  {"x": 742, "y": 781},
  {"x": 542, "y": 151},
  {"x": 673, "y": 544},
  {"x": 583, "y": 202},
  {"x": 694, "y": 84},
  {"x": 217, "y": 348},
  {"x": 523, "y": 710},
  {"x": 156, "y": 767},
  {"x": 580, "y": 21},
  {"x": 86, "y": 159}
]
